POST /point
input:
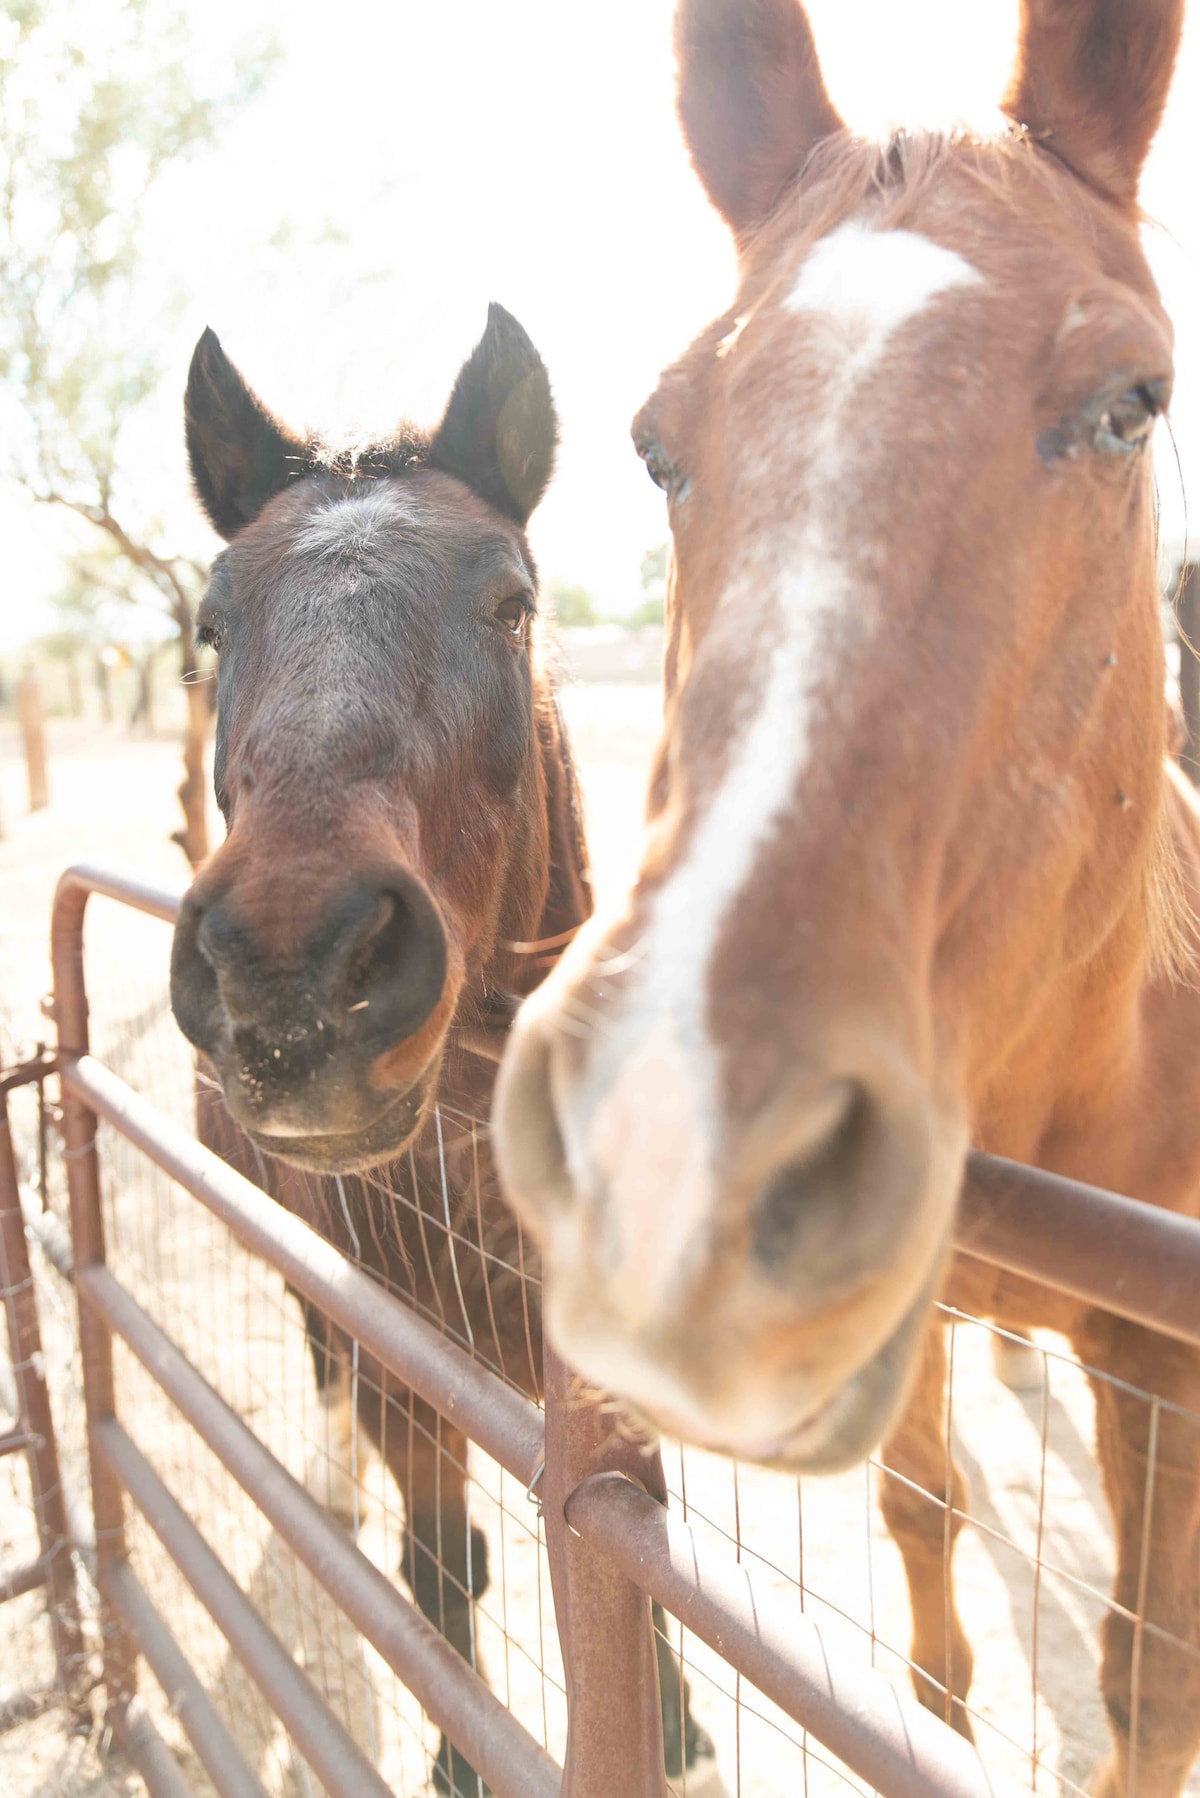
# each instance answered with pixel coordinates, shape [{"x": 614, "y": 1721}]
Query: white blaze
[
  {"x": 875, "y": 281},
  {"x": 857, "y": 287},
  {"x": 347, "y": 526}
]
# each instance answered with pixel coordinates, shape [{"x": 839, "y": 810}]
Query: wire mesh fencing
[
  {"x": 49, "y": 1709},
  {"x": 1026, "y": 1557}
]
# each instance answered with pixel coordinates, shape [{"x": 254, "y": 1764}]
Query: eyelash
[{"x": 208, "y": 636}]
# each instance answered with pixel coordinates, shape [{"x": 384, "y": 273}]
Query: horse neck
[
  {"x": 548, "y": 894},
  {"x": 568, "y": 896},
  {"x": 1095, "y": 1049}
]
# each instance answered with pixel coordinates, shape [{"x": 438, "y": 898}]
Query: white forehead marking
[
  {"x": 866, "y": 285},
  {"x": 347, "y": 527},
  {"x": 875, "y": 281}
]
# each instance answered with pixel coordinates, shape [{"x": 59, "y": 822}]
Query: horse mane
[
  {"x": 407, "y": 448},
  {"x": 844, "y": 172},
  {"x": 1172, "y": 925}
]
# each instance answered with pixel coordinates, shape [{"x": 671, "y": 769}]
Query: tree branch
[{"x": 162, "y": 570}]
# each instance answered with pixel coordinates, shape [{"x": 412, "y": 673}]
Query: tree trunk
[
  {"x": 74, "y": 690},
  {"x": 33, "y": 734},
  {"x": 1187, "y": 622},
  {"x": 103, "y": 690},
  {"x": 193, "y": 789},
  {"x": 143, "y": 705}
]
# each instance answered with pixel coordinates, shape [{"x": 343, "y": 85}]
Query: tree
[
  {"x": 572, "y": 604},
  {"x": 96, "y": 104},
  {"x": 653, "y": 609}
]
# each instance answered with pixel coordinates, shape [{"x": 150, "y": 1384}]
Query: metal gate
[{"x": 613, "y": 1545}]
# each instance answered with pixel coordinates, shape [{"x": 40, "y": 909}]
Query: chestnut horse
[
  {"x": 402, "y": 830},
  {"x": 917, "y": 870}
]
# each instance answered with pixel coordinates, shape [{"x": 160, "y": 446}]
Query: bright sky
[{"x": 421, "y": 160}]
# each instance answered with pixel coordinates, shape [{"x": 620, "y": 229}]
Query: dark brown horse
[
  {"x": 403, "y": 829},
  {"x": 917, "y": 867}
]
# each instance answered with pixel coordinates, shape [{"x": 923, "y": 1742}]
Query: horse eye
[
  {"x": 512, "y": 613},
  {"x": 660, "y": 470},
  {"x": 208, "y": 636},
  {"x": 1129, "y": 422}
]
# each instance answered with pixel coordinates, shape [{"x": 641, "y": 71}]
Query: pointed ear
[
  {"x": 1091, "y": 83},
  {"x": 240, "y": 456},
  {"x": 752, "y": 101},
  {"x": 500, "y": 431}
]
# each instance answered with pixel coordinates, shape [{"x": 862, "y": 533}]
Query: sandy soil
[{"x": 1032, "y": 1618}]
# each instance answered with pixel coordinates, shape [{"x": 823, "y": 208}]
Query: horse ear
[
  {"x": 240, "y": 455},
  {"x": 752, "y": 101},
  {"x": 500, "y": 430},
  {"x": 1091, "y": 83}
]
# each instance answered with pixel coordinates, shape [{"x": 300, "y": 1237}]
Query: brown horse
[
  {"x": 916, "y": 870},
  {"x": 403, "y": 831}
]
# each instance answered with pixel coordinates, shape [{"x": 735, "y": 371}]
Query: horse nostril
[
  {"x": 530, "y": 1149},
  {"x": 195, "y": 997},
  {"x": 360, "y": 971},
  {"x": 808, "y": 1205},
  {"x": 395, "y": 969}
]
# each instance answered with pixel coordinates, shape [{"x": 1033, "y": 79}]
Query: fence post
[
  {"x": 33, "y": 1404},
  {"x": 614, "y": 1719},
  {"x": 79, "y": 1126},
  {"x": 33, "y": 735}
]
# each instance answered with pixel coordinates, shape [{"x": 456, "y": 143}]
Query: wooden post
[
  {"x": 33, "y": 733},
  {"x": 1187, "y": 629}
]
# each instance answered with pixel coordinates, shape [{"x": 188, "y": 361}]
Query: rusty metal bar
[
  {"x": 142, "y": 1744},
  {"x": 445, "y": 1687},
  {"x": 504, "y": 1424},
  {"x": 886, "y": 1737},
  {"x": 22, "y": 1707},
  {"x": 87, "y": 1244},
  {"x": 16, "y": 1581},
  {"x": 1137, "y": 1260},
  {"x": 131, "y": 887},
  {"x": 37, "y": 1423},
  {"x": 52, "y": 1237},
  {"x": 157, "y": 895},
  {"x": 215, "y": 1748},
  {"x": 614, "y": 1715},
  {"x": 334, "y": 1757}
]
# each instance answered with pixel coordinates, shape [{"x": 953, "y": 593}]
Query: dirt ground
[{"x": 1031, "y": 1568}]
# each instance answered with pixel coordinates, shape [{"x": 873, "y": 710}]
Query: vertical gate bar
[
  {"x": 33, "y": 1401},
  {"x": 79, "y": 1126},
  {"x": 614, "y": 1718}
]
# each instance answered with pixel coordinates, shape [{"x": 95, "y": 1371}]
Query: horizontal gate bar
[
  {"x": 888, "y": 1739},
  {"x": 336, "y": 1760},
  {"x": 503, "y": 1423},
  {"x": 445, "y": 1687},
  {"x": 123, "y": 881},
  {"x": 215, "y": 1748},
  {"x": 1134, "y": 1259}
]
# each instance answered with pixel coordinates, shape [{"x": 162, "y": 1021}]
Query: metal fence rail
[
  {"x": 612, "y": 1545},
  {"x": 31, "y": 1430}
]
